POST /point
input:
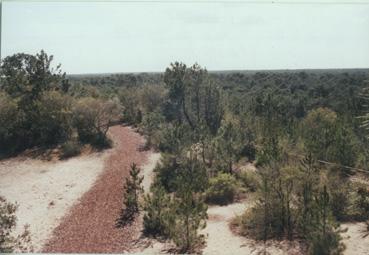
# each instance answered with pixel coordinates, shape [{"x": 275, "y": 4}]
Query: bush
[
  {"x": 54, "y": 121},
  {"x": 151, "y": 126},
  {"x": 326, "y": 244},
  {"x": 248, "y": 223},
  {"x": 362, "y": 203},
  {"x": 158, "y": 217},
  {"x": 8, "y": 221},
  {"x": 92, "y": 118},
  {"x": 248, "y": 180},
  {"x": 70, "y": 149},
  {"x": 222, "y": 189},
  {"x": 340, "y": 200},
  {"x": 190, "y": 216},
  {"x": 8, "y": 125}
]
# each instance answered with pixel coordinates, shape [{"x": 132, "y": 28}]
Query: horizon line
[{"x": 228, "y": 70}]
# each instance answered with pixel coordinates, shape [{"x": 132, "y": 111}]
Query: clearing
[
  {"x": 72, "y": 205},
  {"x": 45, "y": 190}
]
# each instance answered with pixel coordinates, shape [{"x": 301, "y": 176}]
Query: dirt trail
[
  {"x": 46, "y": 190},
  {"x": 90, "y": 226}
]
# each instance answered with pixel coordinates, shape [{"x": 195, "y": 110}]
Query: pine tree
[
  {"x": 191, "y": 214},
  {"x": 132, "y": 191},
  {"x": 158, "y": 217},
  {"x": 309, "y": 178},
  {"x": 324, "y": 237}
]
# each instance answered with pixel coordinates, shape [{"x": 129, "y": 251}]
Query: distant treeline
[{"x": 333, "y": 88}]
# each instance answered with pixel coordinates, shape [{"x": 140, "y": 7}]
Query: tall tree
[
  {"x": 193, "y": 98},
  {"x": 25, "y": 75}
]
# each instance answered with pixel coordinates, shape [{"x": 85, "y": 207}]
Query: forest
[{"x": 305, "y": 132}]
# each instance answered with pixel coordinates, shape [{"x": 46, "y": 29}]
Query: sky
[{"x": 106, "y": 37}]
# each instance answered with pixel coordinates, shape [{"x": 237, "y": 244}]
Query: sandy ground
[
  {"x": 46, "y": 190},
  {"x": 221, "y": 240},
  {"x": 55, "y": 196},
  {"x": 92, "y": 225},
  {"x": 147, "y": 171},
  {"x": 356, "y": 239}
]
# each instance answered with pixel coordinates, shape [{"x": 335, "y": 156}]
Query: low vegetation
[
  {"x": 306, "y": 131},
  {"x": 131, "y": 197},
  {"x": 37, "y": 109},
  {"x": 222, "y": 189},
  {"x": 9, "y": 242}
]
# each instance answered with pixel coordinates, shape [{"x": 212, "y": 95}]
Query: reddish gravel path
[{"x": 90, "y": 227}]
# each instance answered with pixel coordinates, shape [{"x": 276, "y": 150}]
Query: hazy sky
[{"x": 100, "y": 37}]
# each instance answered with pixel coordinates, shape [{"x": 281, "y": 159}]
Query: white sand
[
  {"x": 356, "y": 239},
  {"x": 46, "y": 190},
  {"x": 148, "y": 171},
  {"x": 221, "y": 240}
]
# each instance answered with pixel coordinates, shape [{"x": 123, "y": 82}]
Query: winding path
[{"x": 89, "y": 227}]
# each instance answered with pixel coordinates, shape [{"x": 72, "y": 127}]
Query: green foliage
[
  {"x": 193, "y": 99},
  {"x": 129, "y": 99},
  {"x": 190, "y": 216},
  {"x": 222, "y": 189},
  {"x": 92, "y": 119},
  {"x": 8, "y": 242},
  {"x": 326, "y": 244},
  {"x": 174, "y": 138},
  {"x": 323, "y": 236},
  {"x": 9, "y": 122},
  {"x": 173, "y": 171},
  {"x": 362, "y": 203},
  {"x": 28, "y": 76},
  {"x": 41, "y": 110},
  {"x": 345, "y": 148},
  {"x": 132, "y": 191},
  {"x": 151, "y": 127},
  {"x": 294, "y": 200},
  {"x": 230, "y": 144},
  {"x": 249, "y": 180},
  {"x": 319, "y": 131},
  {"x": 54, "y": 120},
  {"x": 158, "y": 218},
  {"x": 7, "y": 222},
  {"x": 70, "y": 149},
  {"x": 151, "y": 98},
  {"x": 340, "y": 197}
]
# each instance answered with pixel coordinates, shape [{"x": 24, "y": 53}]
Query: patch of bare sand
[
  {"x": 221, "y": 240},
  {"x": 148, "y": 170},
  {"x": 356, "y": 239},
  {"x": 45, "y": 190}
]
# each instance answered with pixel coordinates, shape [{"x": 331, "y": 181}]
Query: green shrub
[
  {"x": 362, "y": 203},
  {"x": 93, "y": 118},
  {"x": 248, "y": 180},
  {"x": 131, "y": 196},
  {"x": 151, "y": 126},
  {"x": 190, "y": 216},
  {"x": 326, "y": 244},
  {"x": 340, "y": 199},
  {"x": 70, "y": 149},
  {"x": 158, "y": 217},
  {"x": 8, "y": 222},
  {"x": 9, "y": 125},
  {"x": 249, "y": 223},
  {"x": 222, "y": 189}
]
